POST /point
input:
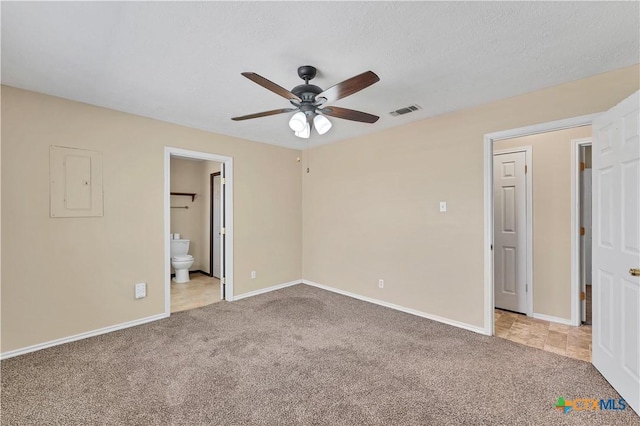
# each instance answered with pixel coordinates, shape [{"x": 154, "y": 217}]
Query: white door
[
  {"x": 616, "y": 248},
  {"x": 217, "y": 226},
  {"x": 510, "y": 260},
  {"x": 586, "y": 240}
]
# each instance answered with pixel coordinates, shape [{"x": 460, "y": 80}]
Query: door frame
[
  {"x": 227, "y": 251},
  {"x": 211, "y": 219},
  {"x": 488, "y": 140},
  {"x": 576, "y": 144},
  {"x": 528, "y": 182}
]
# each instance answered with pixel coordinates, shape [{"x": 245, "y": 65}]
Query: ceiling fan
[{"x": 309, "y": 100}]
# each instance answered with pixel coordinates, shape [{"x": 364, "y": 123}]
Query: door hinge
[
  {"x": 222, "y": 280},
  {"x": 525, "y": 169},
  {"x": 223, "y": 231},
  {"x": 582, "y": 230},
  {"x": 582, "y": 295},
  {"x": 223, "y": 181},
  {"x": 582, "y": 166}
]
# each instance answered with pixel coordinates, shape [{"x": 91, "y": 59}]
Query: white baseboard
[
  {"x": 447, "y": 321},
  {"x": 552, "y": 319},
  {"x": 133, "y": 323},
  {"x": 265, "y": 290},
  {"x": 80, "y": 336}
]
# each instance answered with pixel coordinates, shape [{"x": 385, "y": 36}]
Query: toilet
[{"x": 180, "y": 260}]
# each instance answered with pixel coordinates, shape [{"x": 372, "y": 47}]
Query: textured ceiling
[{"x": 181, "y": 62}]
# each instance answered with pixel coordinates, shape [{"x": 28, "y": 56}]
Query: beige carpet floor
[{"x": 299, "y": 355}]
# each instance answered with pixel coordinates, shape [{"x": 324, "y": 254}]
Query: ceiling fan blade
[
  {"x": 270, "y": 85},
  {"x": 264, "y": 114},
  {"x": 349, "y": 87},
  {"x": 349, "y": 114}
]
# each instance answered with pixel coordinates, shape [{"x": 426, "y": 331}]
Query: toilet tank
[{"x": 179, "y": 247}]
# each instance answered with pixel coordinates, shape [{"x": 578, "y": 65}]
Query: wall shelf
[{"x": 186, "y": 194}]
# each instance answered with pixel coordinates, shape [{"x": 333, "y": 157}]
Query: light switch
[{"x": 443, "y": 206}]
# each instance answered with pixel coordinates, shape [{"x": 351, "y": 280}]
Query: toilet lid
[{"x": 183, "y": 257}]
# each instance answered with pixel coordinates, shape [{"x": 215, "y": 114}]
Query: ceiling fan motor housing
[
  {"x": 307, "y": 92},
  {"x": 307, "y": 72}
]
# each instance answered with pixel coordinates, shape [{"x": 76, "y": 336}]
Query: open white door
[
  {"x": 217, "y": 226},
  {"x": 586, "y": 242},
  {"x": 223, "y": 232},
  {"x": 616, "y": 248}
]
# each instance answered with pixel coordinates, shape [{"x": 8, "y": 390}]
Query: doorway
[
  {"x": 571, "y": 315},
  {"x": 225, "y": 252},
  {"x": 191, "y": 216},
  {"x": 543, "y": 321},
  {"x": 582, "y": 190}
]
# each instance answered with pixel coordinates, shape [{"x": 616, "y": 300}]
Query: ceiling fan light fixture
[
  {"x": 322, "y": 124},
  {"x": 298, "y": 122},
  {"x": 309, "y": 101},
  {"x": 305, "y": 132}
]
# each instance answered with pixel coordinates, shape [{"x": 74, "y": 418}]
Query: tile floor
[
  {"x": 574, "y": 342},
  {"x": 201, "y": 290}
]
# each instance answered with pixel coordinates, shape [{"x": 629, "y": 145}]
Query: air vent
[{"x": 405, "y": 110}]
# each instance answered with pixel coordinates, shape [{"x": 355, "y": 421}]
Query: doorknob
[{"x": 635, "y": 272}]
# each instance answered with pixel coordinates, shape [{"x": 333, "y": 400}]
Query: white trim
[
  {"x": 266, "y": 290},
  {"x": 228, "y": 202},
  {"x": 80, "y": 336},
  {"x": 489, "y": 303},
  {"x": 568, "y": 123},
  {"x": 133, "y": 323},
  {"x": 447, "y": 321},
  {"x": 489, "y": 138},
  {"x": 528, "y": 180},
  {"x": 553, "y": 319},
  {"x": 575, "y": 228}
]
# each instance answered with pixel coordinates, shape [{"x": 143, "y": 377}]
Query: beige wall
[
  {"x": 370, "y": 204},
  {"x": 551, "y": 191},
  {"x": 61, "y": 277},
  {"x": 369, "y": 209},
  {"x": 186, "y": 176}
]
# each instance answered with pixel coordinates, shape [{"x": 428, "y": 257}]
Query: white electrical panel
[{"x": 75, "y": 182}]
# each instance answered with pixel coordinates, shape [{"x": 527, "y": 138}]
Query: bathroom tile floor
[
  {"x": 201, "y": 290},
  {"x": 574, "y": 342}
]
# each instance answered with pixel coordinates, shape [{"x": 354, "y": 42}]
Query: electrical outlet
[
  {"x": 443, "y": 206},
  {"x": 141, "y": 290},
  {"x": 381, "y": 283},
  {"x": 253, "y": 275}
]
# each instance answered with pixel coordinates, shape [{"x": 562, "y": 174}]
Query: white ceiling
[{"x": 181, "y": 62}]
